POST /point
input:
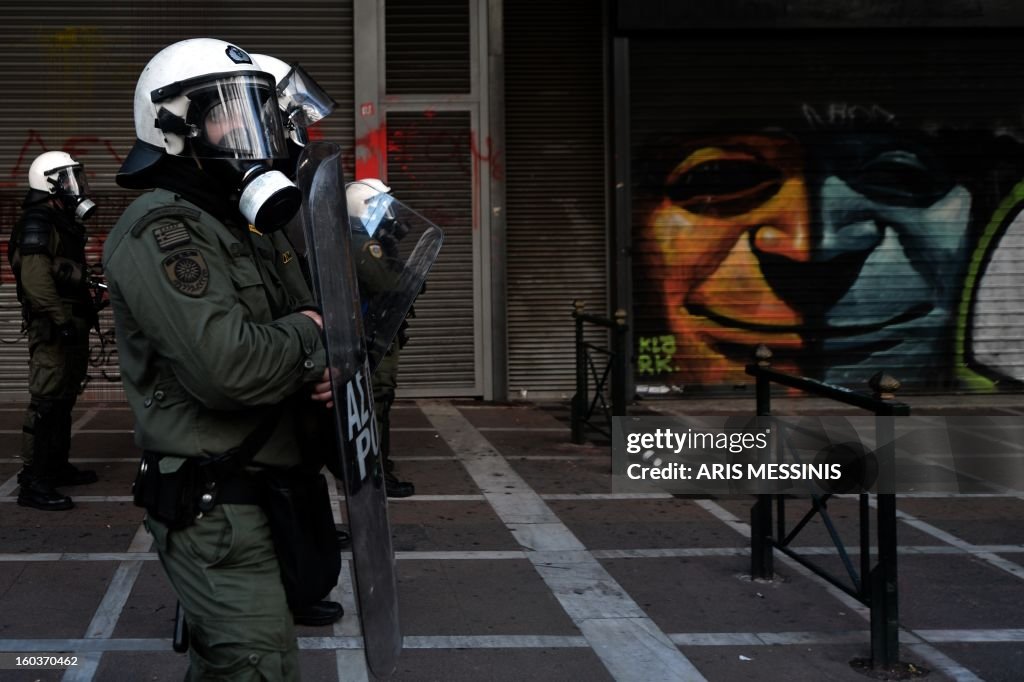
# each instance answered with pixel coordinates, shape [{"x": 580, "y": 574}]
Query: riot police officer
[
  {"x": 378, "y": 268},
  {"x": 215, "y": 355},
  {"x": 47, "y": 254},
  {"x": 303, "y": 102}
]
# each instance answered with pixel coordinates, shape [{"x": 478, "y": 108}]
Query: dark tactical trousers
[
  {"x": 385, "y": 381},
  {"x": 56, "y": 373},
  {"x": 226, "y": 576}
]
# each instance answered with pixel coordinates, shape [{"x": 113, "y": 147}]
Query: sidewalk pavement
[{"x": 516, "y": 562}]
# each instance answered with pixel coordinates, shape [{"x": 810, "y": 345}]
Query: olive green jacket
[
  {"x": 208, "y": 342},
  {"x": 46, "y": 298}
]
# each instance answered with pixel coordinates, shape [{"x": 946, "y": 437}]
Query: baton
[{"x": 180, "y": 643}]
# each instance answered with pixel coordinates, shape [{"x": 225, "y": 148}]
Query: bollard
[
  {"x": 884, "y": 595},
  {"x": 579, "y": 401}
]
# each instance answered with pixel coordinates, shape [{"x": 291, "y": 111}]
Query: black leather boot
[
  {"x": 40, "y": 494},
  {"x": 392, "y": 485},
  {"x": 320, "y": 613},
  {"x": 61, "y": 471},
  {"x": 344, "y": 538},
  {"x": 36, "y": 482},
  {"x": 397, "y": 488}
]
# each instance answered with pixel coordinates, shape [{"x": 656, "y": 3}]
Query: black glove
[
  {"x": 389, "y": 245},
  {"x": 65, "y": 333}
]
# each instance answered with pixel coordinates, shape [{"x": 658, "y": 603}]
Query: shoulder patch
[
  {"x": 171, "y": 235},
  {"x": 187, "y": 271},
  {"x": 162, "y": 212},
  {"x": 374, "y": 249}
]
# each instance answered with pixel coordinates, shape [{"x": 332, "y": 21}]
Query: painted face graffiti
[{"x": 841, "y": 252}]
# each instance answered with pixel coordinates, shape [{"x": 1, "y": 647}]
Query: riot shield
[
  {"x": 325, "y": 222},
  {"x": 394, "y": 247}
]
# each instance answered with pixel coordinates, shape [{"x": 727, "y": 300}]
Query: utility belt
[
  {"x": 178, "y": 498},
  {"x": 297, "y": 504}
]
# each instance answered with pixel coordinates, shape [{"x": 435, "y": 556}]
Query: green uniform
[
  {"x": 377, "y": 272},
  {"x": 210, "y": 348},
  {"x": 47, "y": 252}
]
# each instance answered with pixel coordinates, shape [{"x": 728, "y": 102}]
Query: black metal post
[
  {"x": 579, "y": 401},
  {"x": 885, "y": 645},
  {"x": 762, "y": 563},
  {"x": 865, "y": 548},
  {"x": 619, "y": 364}
]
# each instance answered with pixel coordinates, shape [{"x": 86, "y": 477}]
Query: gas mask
[
  {"x": 266, "y": 197},
  {"x": 61, "y": 176},
  {"x": 232, "y": 126}
]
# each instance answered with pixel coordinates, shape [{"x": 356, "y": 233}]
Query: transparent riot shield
[
  {"x": 394, "y": 248},
  {"x": 332, "y": 273}
]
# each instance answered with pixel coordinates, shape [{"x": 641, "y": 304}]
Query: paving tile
[
  {"x": 712, "y": 594},
  {"x": 10, "y": 445},
  {"x": 89, "y": 527},
  {"x": 150, "y": 608},
  {"x": 980, "y": 521},
  {"x": 142, "y": 666},
  {"x": 991, "y": 661},
  {"x": 418, "y": 444},
  {"x": 958, "y": 591},
  {"x": 516, "y": 443},
  {"x": 51, "y": 599},
  {"x": 508, "y": 597},
  {"x": 447, "y": 477},
  {"x": 447, "y": 526},
  {"x": 121, "y": 445},
  {"x": 115, "y": 479},
  {"x": 575, "y": 476},
  {"x": 509, "y": 417},
  {"x": 785, "y": 663},
  {"x": 845, "y": 515},
  {"x": 497, "y": 597},
  {"x": 644, "y": 524},
  {"x": 318, "y": 665},
  {"x": 33, "y": 675},
  {"x": 499, "y": 665},
  {"x": 107, "y": 418},
  {"x": 407, "y": 414}
]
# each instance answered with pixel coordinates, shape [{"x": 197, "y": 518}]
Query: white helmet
[
  {"x": 302, "y": 101},
  {"x": 59, "y": 173},
  {"x": 209, "y": 92},
  {"x": 368, "y": 203}
]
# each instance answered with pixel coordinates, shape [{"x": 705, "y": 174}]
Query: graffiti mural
[{"x": 843, "y": 235}]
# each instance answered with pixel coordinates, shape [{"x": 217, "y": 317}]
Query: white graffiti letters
[{"x": 362, "y": 426}]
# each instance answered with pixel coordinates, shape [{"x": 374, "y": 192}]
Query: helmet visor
[
  {"x": 378, "y": 211},
  {"x": 69, "y": 180},
  {"x": 237, "y": 118},
  {"x": 301, "y": 99}
]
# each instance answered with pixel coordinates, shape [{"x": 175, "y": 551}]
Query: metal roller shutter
[
  {"x": 427, "y": 169},
  {"x": 891, "y": 153},
  {"x": 430, "y": 103},
  {"x": 556, "y": 203},
  {"x": 70, "y": 71}
]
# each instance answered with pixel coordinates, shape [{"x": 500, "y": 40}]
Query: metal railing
[
  {"x": 875, "y": 586},
  {"x": 604, "y": 368}
]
